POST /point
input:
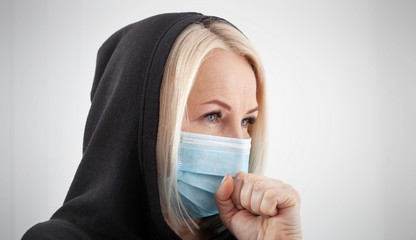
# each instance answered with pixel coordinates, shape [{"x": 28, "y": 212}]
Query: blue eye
[
  {"x": 213, "y": 117},
  {"x": 244, "y": 122},
  {"x": 247, "y": 121},
  {"x": 210, "y": 117}
]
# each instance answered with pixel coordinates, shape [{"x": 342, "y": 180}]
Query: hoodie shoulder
[{"x": 57, "y": 229}]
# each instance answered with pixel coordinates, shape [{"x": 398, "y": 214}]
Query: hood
[{"x": 114, "y": 194}]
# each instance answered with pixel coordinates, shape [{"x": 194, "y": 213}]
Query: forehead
[{"x": 225, "y": 73}]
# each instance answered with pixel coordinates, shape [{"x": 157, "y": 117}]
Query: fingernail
[{"x": 223, "y": 180}]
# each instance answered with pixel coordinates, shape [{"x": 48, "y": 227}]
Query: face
[{"x": 223, "y": 99}]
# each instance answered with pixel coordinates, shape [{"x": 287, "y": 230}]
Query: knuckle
[
  {"x": 289, "y": 186},
  {"x": 280, "y": 181},
  {"x": 238, "y": 176},
  {"x": 248, "y": 177},
  {"x": 270, "y": 195},
  {"x": 258, "y": 186},
  {"x": 294, "y": 192},
  {"x": 297, "y": 195}
]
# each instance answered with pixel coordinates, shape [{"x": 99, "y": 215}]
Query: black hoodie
[{"x": 114, "y": 194}]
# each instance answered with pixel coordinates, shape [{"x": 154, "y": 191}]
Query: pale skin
[{"x": 223, "y": 103}]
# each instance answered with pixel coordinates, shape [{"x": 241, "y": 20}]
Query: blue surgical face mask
[{"x": 203, "y": 161}]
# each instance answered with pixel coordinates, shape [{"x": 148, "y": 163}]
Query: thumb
[{"x": 226, "y": 206}]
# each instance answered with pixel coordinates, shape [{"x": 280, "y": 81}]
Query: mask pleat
[
  {"x": 207, "y": 161},
  {"x": 194, "y": 210},
  {"x": 203, "y": 199},
  {"x": 209, "y": 183}
]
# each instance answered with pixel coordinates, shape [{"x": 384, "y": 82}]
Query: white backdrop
[{"x": 341, "y": 86}]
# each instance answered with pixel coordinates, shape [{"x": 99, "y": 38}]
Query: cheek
[{"x": 247, "y": 135}]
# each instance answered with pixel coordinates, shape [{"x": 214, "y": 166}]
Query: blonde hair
[{"x": 190, "y": 49}]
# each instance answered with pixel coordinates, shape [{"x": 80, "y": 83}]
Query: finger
[
  {"x": 246, "y": 190},
  {"x": 257, "y": 196},
  {"x": 275, "y": 199},
  {"x": 225, "y": 204},
  {"x": 238, "y": 182},
  {"x": 268, "y": 204}
]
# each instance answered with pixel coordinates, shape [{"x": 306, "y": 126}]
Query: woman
[{"x": 177, "y": 106}]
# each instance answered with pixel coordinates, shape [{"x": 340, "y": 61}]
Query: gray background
[{"x": 341, "y": 86}]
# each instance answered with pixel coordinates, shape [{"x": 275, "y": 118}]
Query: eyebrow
[
  {"x": 218, "y": 102},
  {"x": 253, "y": 110},
  {"x": 228, "y": 107}
]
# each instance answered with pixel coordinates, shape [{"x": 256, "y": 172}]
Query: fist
[{"x": 252, "y": 206}]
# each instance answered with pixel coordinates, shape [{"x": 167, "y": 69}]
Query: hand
[{"x": 256, "y": 207}]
